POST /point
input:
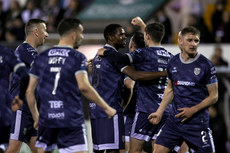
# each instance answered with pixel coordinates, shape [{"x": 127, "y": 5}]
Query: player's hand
[
  {"x": 137, "y": 21},
  {"x": 185, "y": 113},
  {"x": 16, "y": 104},
  {"x": 90, "y": 66},
  {"x": 154, "y": 118},
  {"x": 100, "y": 51},
  {"x": 110, "y": 112},
  {"x": 36, "y": 124}
]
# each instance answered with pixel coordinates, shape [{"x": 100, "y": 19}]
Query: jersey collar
[
  {"x": 108, "y": 45},
  {"x": 189, "y": 61}
]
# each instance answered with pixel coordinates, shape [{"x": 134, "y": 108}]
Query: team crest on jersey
[{"x": 197, "y": 71}]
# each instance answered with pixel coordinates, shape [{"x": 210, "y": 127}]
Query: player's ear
[
  {"x": 73, "y": 35},
  {"x": 148, "y": 36},
  {"x": 35, "y": 32},
  {"x": 110, "y": 38}
]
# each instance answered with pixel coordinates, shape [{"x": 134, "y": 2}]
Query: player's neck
[
  {"x": 65, "y": 43},
  {"x": 151, "y": 43},
  {"x": 186, "y": 57},
  {"x": 32, "y": 42}
]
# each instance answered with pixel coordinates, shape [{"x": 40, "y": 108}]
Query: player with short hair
[
  {"x": 60, "y": 73},
  {"x": 192, "y": 88},
  {"x": 22, "y": 128},
  {"x": 153, "y": 58},
  {"x": 136, "y": 41},
  {"x": 107, "y": 79}
]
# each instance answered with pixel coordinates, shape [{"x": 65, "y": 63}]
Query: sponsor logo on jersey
[
  {"x": 163, "y": 53},
  {"x": 174, "y": 70},
  {"x": 184, "y": 83},
  {"x": 197, "y": 71},
  {"x": 60, "y": 115},
  {"x": 58, "y": 52}
]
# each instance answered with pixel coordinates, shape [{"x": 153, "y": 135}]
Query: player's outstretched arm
[
  {"x": 89, "y": 92},
  {"x": 114, "y": 56},
  {"x": 187, "y": 112},
  {"x": 155, "y": 117},
  {"x": 142, "y": 75},
  {"x": 139, "y": 22},
  {"x": 30, "y": 96}
]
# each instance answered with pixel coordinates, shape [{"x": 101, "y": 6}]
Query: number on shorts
[{"x": 204, "y": 136}]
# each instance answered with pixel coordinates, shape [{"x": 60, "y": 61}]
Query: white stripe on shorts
[
  {"x": 211, "y": 140},
  {"x": 116, "y": 137},
  {"x": 136, "y": 135},
  {"x": 15, "y": 135}
]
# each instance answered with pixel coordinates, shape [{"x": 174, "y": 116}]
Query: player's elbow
[
  {"x": 83, "y": 88},
  {"x": 215, "y": 98}
]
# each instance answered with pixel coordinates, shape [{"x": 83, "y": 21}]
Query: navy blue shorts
[
  {"x": 128, "y": 127},
  {"x": 108, "y": 133},
  {"x": 142, "y": 129},
  {"x": 172, "y": 135},
  {"x": 22, "y": 128},
  {"x": 4, "y": 137},
  {"x": 65, "y": 139}
]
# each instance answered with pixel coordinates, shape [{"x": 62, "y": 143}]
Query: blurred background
[{"x": 211, "y": 17}]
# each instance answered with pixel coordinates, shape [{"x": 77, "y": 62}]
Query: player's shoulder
[
  {"x": 205, "y": 60},
  {"x": 62, "y": 51},
  {"x": 175, "y": 57},
  {"x": 25, "y": 47},
  {"x": 6, "y": 50},
  {"x": 142, "y": 49}
]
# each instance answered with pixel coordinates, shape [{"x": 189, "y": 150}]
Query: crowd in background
[
  {"x": 211, "y": 17},
  {"x": 213, "y": 20},
  {"x": 14, "y": 16}
]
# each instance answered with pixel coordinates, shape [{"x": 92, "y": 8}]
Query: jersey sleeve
[
  {"x": 211, "y": 75},
  {"x": 34, "y": 70},
  {"x": 136, "y": 56},
  {"x": 24, "y": 55},
  {"x": 80, "y": 64},
  {"x": 15, "y": 63},
  {"x": 169, "y": 71}
]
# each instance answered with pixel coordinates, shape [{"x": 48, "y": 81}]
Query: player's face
[
  {"x": 120, "y": 38},
  {"x": 42, "y": 34},
  {"x": 189, "y": 44},
  {"x": 79, "y": 37}
]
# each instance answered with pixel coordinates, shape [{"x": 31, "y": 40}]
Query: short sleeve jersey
[
  {"x": 150, "y": 93},
  {"x": 26, "y": 53},
  {"x": 8, "y": 64},
  {"x": 190, "y": 81},
  {"x": 60, "y": 98},
  {"x": 108, "y": 80}
]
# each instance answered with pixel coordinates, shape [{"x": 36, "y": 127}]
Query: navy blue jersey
[
  {"x": 150, "y": 93},
  {"x": 8, "y": 64},
  {"x": 26, "y": 53},
  {"x": 108, "y": 80},
  {"x": 190, "y": 81},
  {"x": 60, "y": 98}
]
